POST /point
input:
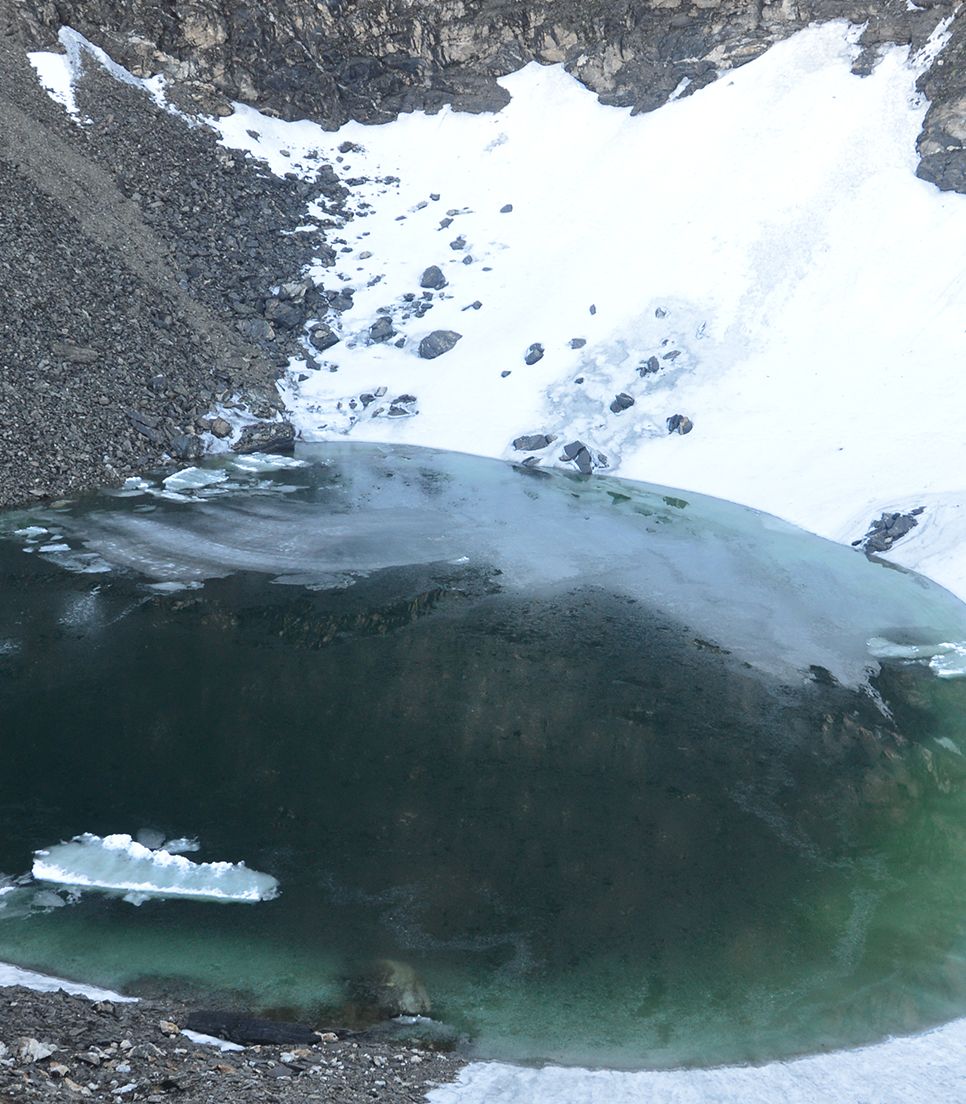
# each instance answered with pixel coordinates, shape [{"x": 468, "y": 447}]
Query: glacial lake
[{"x": 614, "y": 769}]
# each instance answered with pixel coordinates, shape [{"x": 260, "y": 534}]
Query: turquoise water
[{"x": 609, "y": 766}]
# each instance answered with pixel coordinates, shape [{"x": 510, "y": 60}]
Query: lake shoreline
[{"x": 57, "y": 1045}]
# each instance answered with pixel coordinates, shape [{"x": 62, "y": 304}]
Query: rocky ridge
[{"x": 372, "y": 59}]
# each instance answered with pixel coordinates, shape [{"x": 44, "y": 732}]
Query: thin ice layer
[
  {"x": 122, "y": 865},
  {"x": 45, "y": 983}
]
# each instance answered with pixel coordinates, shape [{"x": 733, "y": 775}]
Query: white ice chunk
[
  {"x": 189, "y": 479},
  {"x": 121, "y": 864},
  {"x": 264, "y": 461},
  {"x": 31, "y": 532},
  {"x": 182, "y": 845}
]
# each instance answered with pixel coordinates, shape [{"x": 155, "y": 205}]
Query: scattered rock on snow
[
  {"x": 887, "y": 529},
  {"x": 458, "y": 243},
  {"x": 437, "y": 343},
  {"x": 506, "y": 208},
  {"x": 322, "y": 337},
  {"x": 433, "y": 278},
  {"x": 381, "y": 330},
  {"x": 621, "y": 402},
  {"x": 577, "y": 342},
  {"x": 534, "y": 353},
  {"x": 403, "y": 406},
  {"x": 678, "y": 423},
  {"x": 582, "y": 457},
  {"x": 649, "y": 367},
  {"x": 533, "y": 442}
]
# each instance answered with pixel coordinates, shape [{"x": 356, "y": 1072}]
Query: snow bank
[
  {"x": 764, "y": 245},
  {"x": 44, "y": 983},
  {"x": 120, "y": 864}
]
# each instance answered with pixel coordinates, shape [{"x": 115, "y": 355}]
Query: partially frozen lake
[{"x": 614, "y": 768}]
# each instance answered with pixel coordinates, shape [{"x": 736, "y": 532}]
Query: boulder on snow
[
  {"x": 323, "y": 337},
  {"x": 534, "y": 353},
  {"x": 381, "y": 330},
  {"x": 433, "y": 278},
  {"x": 621, "y": 402},
  {"x": 437, "y": 343},
  {"x": 532, "y": 442},
  {"x": 679, "y": 423}
]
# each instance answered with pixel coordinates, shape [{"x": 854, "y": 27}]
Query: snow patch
[
  {"x": 120, "y": 864},
  {"x": 44, "y": 983}
]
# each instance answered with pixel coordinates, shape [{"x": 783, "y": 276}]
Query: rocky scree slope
[
  {"x": 137, "y": 258},
  {"x": 371, "y": 59}
]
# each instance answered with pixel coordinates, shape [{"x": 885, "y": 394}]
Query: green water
[{"x": 596, "y": 835}]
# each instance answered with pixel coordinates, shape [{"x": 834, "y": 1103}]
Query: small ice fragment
[
  {"x": 191, "y": 478},
  {"x": 31, "y": 531},
  {"x": 54, "y": 548},
  {"x": 151, "y": 838},
  {"x": 182, "y": 845}
]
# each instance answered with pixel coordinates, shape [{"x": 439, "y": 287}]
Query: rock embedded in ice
[
  {"x": 437, "y": 343},
  {"x": 534, "y": 353},
  {"x": 433, "y": 278},
  {"x": 679, "y": 423},
  {"x": 532, "y": 442},
  {"x": 266, "y": 437}
]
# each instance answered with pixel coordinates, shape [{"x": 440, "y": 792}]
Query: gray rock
[
  {"x": 506, "y": 208},
  {"x": 256, "y": 329},
  {"x": 341, "y": 301},
  {"x": 381, "y": 330},
  {"x": 220, "y": 428},
  {"x": 621, "y": 402},
  {"x": 187, "y": 446},
  {"x": 437, "y": 343},
  {"x": 678, "y": 423},
  {"x": 322, "y": 337},
  {"x": 283, "y": 313},
  {"x": 889, "y": 528},
  {"x": 74, "y": 354},
  {"x": 577, "y": 342},
  {"x": 534, "y": 353},
  {"x": 533, "y": 442},
  {"x": 458, "y": 243},
  {"x": 649, "y": 367},
  {"x": 433, "y": 278},
  {"x": 266, "y": 437}
]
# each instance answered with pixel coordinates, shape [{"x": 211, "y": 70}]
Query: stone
[
  {"x": 678, "y": 423},
  {"x": 649, "y": 367},
  {"x": 266, "y": 437},
  {"x": 660, "y": 312},
  {"x": 403, "y": 406},
  {"x": 390, "y": 988},
  {"x": 168, "y": 1027},
  {"x": 322, "y": 337},
  {"x": 74, "y": 354},
  {"x": 437, "y": 343},
  {"x": 187, "y": 446},
  {"x": 577, "y": 342},
  {"x": 458, "y": 243},
  {"x": 621, "y": 402},
  {"x": 533, "y": 442},
  {"x": 506, "y": 208},
  {"x": 33, "y": 1050},
  {"x": 283, "y": 314},
  {"x": 220, "y": 428},
  {"x": 433, "y": 278},
  {"x": 534, "y": 353},
  {"x": 381, "y": 330}
]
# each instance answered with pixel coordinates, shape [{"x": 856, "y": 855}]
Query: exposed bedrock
[{"x": 371, "y": 59}]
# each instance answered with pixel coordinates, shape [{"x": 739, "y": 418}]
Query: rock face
[{"x": 371, "y": 59}]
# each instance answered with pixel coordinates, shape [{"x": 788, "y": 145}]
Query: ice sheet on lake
[
  {"x": 119, "y": 864},
  {"x": 774, "y": 596}
]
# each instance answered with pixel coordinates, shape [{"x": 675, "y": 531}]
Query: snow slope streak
[{"x": 759, "y": 257}]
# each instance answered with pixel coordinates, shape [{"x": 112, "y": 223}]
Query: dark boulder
[
  {"x": 250, "y": 1030},
  {"x": 322, "y": 337},
  {"x": 433, "y": 278},
  {"x": 534, "y": 353},
  {"x": 381, "y": 330},
  {"x": 679, "y": 423},
  {"x": 266, "y": 437},
  {"x": 621, "y": 402},
  {"x": 437, "y": 343}
]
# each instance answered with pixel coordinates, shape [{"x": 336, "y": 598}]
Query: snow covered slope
[{"x": 759, "y": 257}]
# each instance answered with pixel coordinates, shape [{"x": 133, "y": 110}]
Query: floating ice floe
[
  {"x": 190, "y": 479},
  {"x": 119, "y": 864},
  {"x": 264, "y": 461}
]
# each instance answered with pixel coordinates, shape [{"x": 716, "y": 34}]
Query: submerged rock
[{"x": 388, "y": 987}]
